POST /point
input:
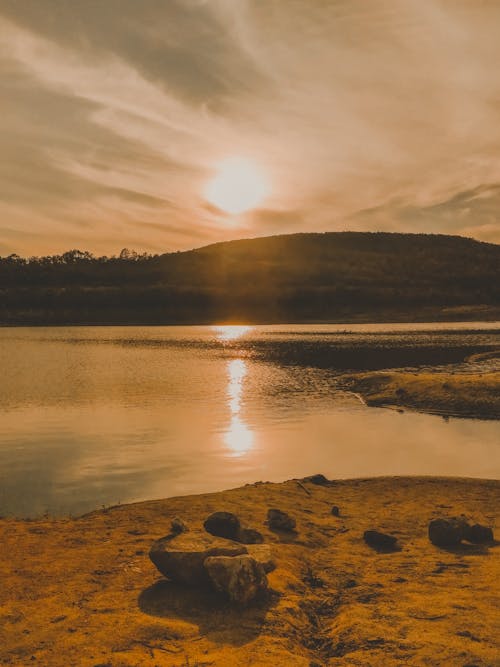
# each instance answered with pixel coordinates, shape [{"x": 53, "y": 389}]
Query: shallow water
[{"x": 94, "y": 416}]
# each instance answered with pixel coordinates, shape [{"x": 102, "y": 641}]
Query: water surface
[{"x": 93, "y": 416}]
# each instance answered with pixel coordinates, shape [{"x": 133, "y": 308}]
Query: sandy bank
[
  {"x": 83, "y": 591},
  {"x": 452, "y": 394}
]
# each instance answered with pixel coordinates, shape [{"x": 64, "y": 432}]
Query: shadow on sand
[{"x": 216, "y": 618}]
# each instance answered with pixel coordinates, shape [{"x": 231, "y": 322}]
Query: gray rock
[
  {"x": 447, "y": 532},
  {"x": 478, "y": 534},
  {"x": 278, "y": 520},
  {"x": 223, "y": 524},
  {"x": 378, "y": 540},
  {"x": 240, "y": 578},
  {"x": 181, "y": 558},
  {"x": 178, "y": 526},
  {"x": 335, "y": 511}
]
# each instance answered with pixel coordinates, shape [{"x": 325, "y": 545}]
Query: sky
[{"x": 359, "y": 115}]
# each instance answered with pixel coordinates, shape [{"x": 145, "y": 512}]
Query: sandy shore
[
  {"x": 84, "y": 592},
  {"x": 452, "y": 394}
]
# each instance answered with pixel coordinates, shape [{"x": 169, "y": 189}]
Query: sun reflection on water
[
  {"x": 226, "y": 332},
  {"x": 238, "y": 437}
]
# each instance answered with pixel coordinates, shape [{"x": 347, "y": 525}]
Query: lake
[{"x": 94, "y": 416}]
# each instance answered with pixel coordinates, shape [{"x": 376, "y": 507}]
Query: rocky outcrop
[
  {"x": 181, "y": 557},
  {"x": 197, "y": 558}
]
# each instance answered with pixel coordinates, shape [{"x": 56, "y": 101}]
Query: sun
[{"x": 238, "y": 186}]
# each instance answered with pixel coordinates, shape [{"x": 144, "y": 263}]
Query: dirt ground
[{"x": 83, "y": 591}]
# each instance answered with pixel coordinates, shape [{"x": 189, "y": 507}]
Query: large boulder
[
  {"x": 181, "y": 557},
  {"x": 447, "y": 532},
  {"x": 239, "y": 578},
  {"x": 223, "y": 524},
  {"x": 279, "y": 520}
]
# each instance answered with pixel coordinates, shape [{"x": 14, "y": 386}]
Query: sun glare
[{"x": 238, "y": 186}]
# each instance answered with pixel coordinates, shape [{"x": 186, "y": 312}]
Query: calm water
[{"x": 101, "y": 415}]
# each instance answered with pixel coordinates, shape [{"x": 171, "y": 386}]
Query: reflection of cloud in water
[{"x": 238, "y": 437}]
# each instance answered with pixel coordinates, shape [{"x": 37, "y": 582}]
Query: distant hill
[{"x": 333, "y": 276}]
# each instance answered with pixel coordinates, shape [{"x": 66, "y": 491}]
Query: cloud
[{"x": 365, "y": 115}]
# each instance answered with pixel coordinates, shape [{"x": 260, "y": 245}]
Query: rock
[
  {"x": 262, "y": 554},
  {"x": 378, "y": 540},
  {"x": 447, "y": 532},
  {"x": 335, "y": 511},
  {"x": 240, "y": 578},
  {"x": 319, "y": 480},
  {"x": 478, "y": 534},
  {"x": 223, "y": 524},
  {"x": 178, "y": 526},
  {"x": 249, "y": 536},
  {"x": 278, "y": 520},
  {"x": 181, "y": 557}
]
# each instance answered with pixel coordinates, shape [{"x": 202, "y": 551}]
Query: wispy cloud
[{"x": 365, "y": 115}]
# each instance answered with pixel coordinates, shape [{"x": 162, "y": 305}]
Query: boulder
[
  {"x": 447, "y": 532},
  {"x": 335, "y": 511},
  {"x": 181, "y": 557},
  {"x": 249, "y": 536},
  {"x": 240, "y": 578},
  {"x": 378, "y": 540},
  {"x": 278, "y": 520},
  {"x": 478, "y": 534},
  {"x": 223, "y": 524},
  {"x": 178, "y": 526},
  {"x": 262, "y": 554}
]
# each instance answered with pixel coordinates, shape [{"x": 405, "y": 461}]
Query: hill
[{"x": 332, "y": 276}]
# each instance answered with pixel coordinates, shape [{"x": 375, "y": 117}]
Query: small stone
[
  {"x": 178, "y": 526},
  {"x": 249, "y": 536},
  {"x": 181, "y": 558},
  {"x": 223, "y": 524},
  {"x": 319, "y": 480},
  {"x": 478, "y": 534},
  {"x": 335, "y": 511},
  {"x": 278, "y": 520},
  {"x": 378, "y": 540},
  {"x": 262, "y": 554},
  {"x": 447, "y": 532},
  {"x": 240, "y": 578}
]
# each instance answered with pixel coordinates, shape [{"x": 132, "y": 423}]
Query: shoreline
[
  {"x": 462, "y": 395},
  {"x": 83, "y": 591}
]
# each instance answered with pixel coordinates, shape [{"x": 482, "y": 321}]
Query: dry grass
[{"x": 83, "y": 592}]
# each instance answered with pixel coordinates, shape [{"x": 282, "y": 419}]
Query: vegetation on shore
[
  {"x": 452, "y": 394},
  {"x": 338, "y": 276},
  {"x": 84, "y": 592}
]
